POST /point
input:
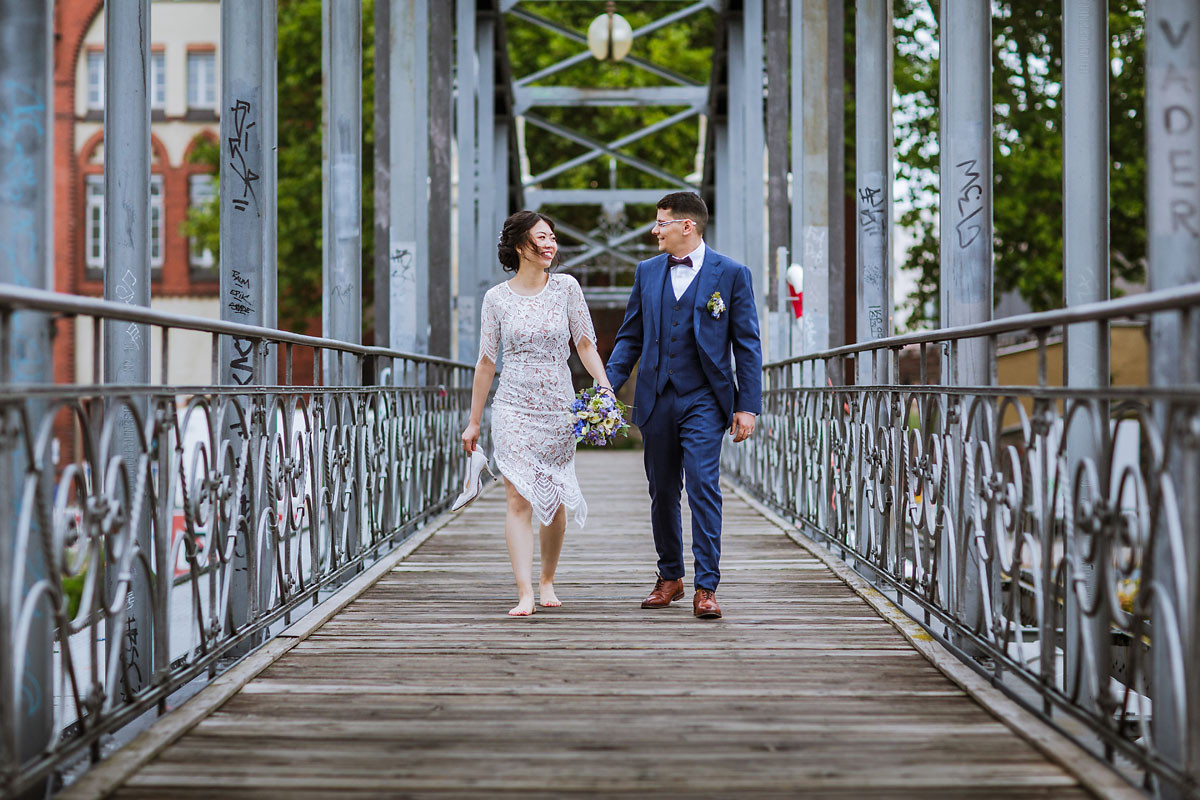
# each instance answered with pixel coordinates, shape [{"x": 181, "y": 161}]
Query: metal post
[
  {"x": 873, "y": 117},
  {"x": 777, "y": 169},
  {"x": 342, "y": 156},
  {"x": 490, "y": 206},
  {"x": 1086, "y": 280},
  {"x": 1173, "y": 216},
  {"x": 733, "y": 226},
  {"x": 723, "y": 221},
  {"x": 127, "y": 280},
  {"x": 26, "y": 259},
  {"x": 441, "y": 101},
  {"x": 468, "y": 222},
  {"x": 966, "y": 210},
  {"x": 270, "y": 176},
  {"x": 501, "y": 180},
  {"x": 270, "y": 228},
  {"x": 873, "y": 133},
  {"x": 408, "y": 109},
  {"x": 753, "y": 162},
  {"x": 243, "y": 238},
  {"x": 341, "y": 313},
  {"x": 815, "y": 250},
  {"x": 799, "y": 136},
  {"x": 383, "y": 172}
]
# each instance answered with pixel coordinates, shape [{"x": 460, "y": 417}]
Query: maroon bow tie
[{"x": 672, "y": 261}]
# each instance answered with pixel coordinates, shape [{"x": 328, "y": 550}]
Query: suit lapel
[
  {"x": 706, "y": 284},
  {"x": 654, "y": 289}
]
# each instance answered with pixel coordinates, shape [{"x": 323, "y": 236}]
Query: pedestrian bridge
[{"x": 413, "y": 682}]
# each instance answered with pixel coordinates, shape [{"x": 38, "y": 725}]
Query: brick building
[{"x": 185, "y": 104}]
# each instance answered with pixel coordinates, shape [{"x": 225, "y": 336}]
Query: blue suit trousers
[{"x": 683, "y": 440}]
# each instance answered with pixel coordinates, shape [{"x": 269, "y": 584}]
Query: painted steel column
[
  {"x": 798, "y": 132},
  {"x": 491, "y": 206},
  {"x": 243, "y": 238},
  {"x": 1086, "y": 280},
  {"x": 723, "y": 190},
  {"x": 127, "y": 280},
  {"x": 26, "y": 259},
  {"x": 270, "y": 177},
  {"x": 733, "y": 227},
  {"x": 815, "y": 184},
  {"x": 777, "y": 171},
  {"x": 341, "y": 314},
  {"x": 441, "y": 120},
  {"x": 1173, "y": 216},
  {"x": 873, "y": 118},
  {"x": 753, "y": 163},
  {"x": 408, "y": 110},
  {"x": 468, "y": 222},
  {"x": 966, "y": 209}
]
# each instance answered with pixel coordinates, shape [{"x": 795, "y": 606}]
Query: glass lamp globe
[{"x": 610, "y": 32}]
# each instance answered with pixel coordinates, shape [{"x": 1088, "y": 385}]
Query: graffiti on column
[
  {"x": 239, "y": 144},
  {"x": 1178, "y": 126},
  {"x": 873, "y": 233},
  {"x": 970, "y": 204}
]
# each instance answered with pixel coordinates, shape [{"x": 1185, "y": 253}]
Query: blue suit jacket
[{"x": 734, "y": 334}]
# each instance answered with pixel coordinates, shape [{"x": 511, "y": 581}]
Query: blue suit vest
[{"x": 679, "y": 355}]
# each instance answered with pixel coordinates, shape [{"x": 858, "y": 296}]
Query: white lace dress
[{"x": 532, "y": 426}]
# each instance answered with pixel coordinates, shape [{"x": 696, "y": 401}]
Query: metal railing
[
  {"x": 180, "y": 523},
  {"x": 1047, "y": 534}
]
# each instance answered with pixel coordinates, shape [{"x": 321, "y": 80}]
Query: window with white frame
[
  {"x": 157, "y": 223},
  {"x": 200, "y": 192},
  {"x": 158, "y": 81},
  {"x": 202, "y": 81},
  {"x": 93, "y": 222},
  {"x": 95, "y": 80}
]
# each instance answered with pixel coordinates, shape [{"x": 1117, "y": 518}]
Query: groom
[{"x": 690, "y": 309}]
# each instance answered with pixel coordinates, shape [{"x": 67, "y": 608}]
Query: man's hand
[{"x": 743, "y": 426}]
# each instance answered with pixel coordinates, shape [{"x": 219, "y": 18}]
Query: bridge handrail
[
  {"x": 1042, "y": 532},
  {"x": 18, "y": 298},
  {"x": 1118, "y": 308},
  {"x": 163, "y": 531}
]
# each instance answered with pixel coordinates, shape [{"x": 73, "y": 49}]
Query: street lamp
[{"x": 610, "y": 36}]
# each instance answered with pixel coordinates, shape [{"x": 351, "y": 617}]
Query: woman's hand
[{"x": 470, "y": 437}]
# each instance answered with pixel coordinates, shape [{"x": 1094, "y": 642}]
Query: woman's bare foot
[
  {"x": 549, "y": 598},
  {"x": 523, "y": 608}
]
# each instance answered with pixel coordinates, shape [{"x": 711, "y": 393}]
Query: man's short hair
[{"x": 689, "y": 205}]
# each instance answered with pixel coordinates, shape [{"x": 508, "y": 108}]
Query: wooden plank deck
[{"x": 423, "y": 687}]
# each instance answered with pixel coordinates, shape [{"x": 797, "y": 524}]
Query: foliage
[
  {"x": 1027, "y": 81},
  {"x": 684, "y": 47}
]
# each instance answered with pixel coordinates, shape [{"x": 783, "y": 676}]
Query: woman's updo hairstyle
[{"x": 514, "y": 234}]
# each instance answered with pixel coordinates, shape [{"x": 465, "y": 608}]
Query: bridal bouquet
[{"x": 599, "y": 416}]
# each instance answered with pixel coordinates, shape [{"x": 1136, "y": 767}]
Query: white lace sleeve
[
  {"x": 578, "y": 314},
  {"x": 489, "y": 328}
]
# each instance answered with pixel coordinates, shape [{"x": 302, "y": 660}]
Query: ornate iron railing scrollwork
[
  {"x": 1067, "y": 579},
  {"x": 255, "y": 498}
]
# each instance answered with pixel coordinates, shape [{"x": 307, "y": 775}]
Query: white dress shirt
[{"x": 682, "y": 277}]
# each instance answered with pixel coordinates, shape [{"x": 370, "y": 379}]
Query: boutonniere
[{"x": 716, "y": 306}]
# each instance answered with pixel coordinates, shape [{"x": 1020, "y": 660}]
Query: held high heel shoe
[{"x": 474, "y": 481}]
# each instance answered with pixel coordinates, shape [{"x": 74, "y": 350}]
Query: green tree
[{"x": 1027, "y": 81}]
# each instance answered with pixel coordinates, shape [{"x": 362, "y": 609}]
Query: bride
[{"x": 532, "y": 318}]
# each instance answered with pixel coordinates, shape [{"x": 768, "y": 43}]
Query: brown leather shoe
[
  {"x": 663, "y": 593},
  {"x": 704, "y": 604}
]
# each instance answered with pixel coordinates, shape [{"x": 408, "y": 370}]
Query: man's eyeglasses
[{"x": 662, "y": 223}]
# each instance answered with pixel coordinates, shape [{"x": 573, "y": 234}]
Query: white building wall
[
  {"x": 190, "y": 359},
  {"x": 174, "y": 25}
]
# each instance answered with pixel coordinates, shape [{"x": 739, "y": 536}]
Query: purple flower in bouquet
[{"x": 599, "y": 417}]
